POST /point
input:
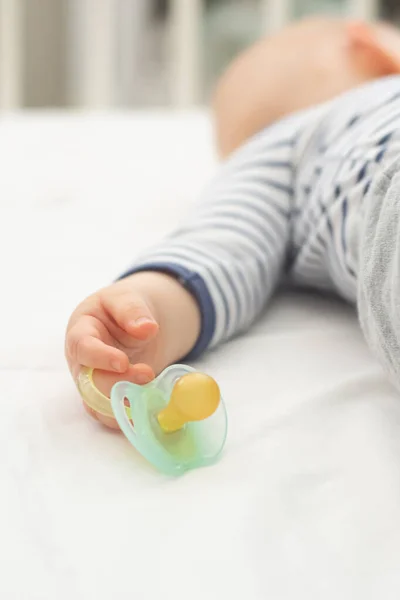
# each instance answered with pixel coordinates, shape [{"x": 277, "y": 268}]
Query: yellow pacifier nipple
[{"x": 194, "y": 397}]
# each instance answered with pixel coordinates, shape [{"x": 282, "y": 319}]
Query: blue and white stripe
[{"x": 290, "y": 200}]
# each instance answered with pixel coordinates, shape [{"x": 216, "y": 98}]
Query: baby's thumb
[{"x": 133, "y": 315}]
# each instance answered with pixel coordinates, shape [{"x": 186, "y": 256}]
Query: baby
[{"x": 310, "y": 121}]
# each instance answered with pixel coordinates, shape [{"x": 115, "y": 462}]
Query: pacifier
[{"x": 177, "y": 422}]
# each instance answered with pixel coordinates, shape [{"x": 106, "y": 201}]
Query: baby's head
[
  {"x": 307, "y": 63},
  {"x": 375, "y": 47},
  {"x": 323, "y": 57}
]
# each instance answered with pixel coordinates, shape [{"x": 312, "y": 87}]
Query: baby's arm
[
  {"x": 230, "y": 252},
  {"x": 205, "y": 283}
]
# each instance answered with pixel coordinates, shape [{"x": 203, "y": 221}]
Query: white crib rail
[
  {"x": 94, "y": 33},
  {"x": 276, "y": 14},
  {"x": 11, "y": 52},
  {"x": 364, "y": 9},
  {"x": 185, "y": 51},
  {"x": 92, "y": 47}
]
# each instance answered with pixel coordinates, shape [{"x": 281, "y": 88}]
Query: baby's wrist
[
  {"x": 150, "y": 285},
  {"x": 173, "y": 307}
]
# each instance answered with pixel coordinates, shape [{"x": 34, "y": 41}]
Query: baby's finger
[
  {"x": 132, "y": 315},
  {"x": 89, "y": 410},
  {"x": 140, "y": 374},
  {"x": 92, "y": 352},
  {"x": 107, "y": 421},
  {"x": 85, "y": 346}
]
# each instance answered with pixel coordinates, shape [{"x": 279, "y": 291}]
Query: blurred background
[{"x": 138, "y": 53}]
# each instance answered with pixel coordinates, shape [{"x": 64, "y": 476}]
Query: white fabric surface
[{"x": 306, "y": 500}]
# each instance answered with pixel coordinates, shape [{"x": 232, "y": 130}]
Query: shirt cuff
[{"x": 195, "y": 284}]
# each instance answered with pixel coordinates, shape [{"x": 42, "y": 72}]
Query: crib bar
[
  {"x": 364, "y": 9},
  {"x": 185, "y": 19},
  {"x": 133, "y": 27},
  {"x": 93, "y": 34},
  {"x": 11, "y": 52},
  {"x": 276, "y": 14}
]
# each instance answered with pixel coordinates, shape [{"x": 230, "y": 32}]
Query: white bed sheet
[{"x": 306, "y": 500}]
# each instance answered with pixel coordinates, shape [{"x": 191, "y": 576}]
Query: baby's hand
[{"x": 131, "y": 330}]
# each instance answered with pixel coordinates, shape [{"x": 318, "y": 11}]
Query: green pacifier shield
[{"x": 196, "y": 444}]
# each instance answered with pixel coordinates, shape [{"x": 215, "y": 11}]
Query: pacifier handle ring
[
  {"x": 120, "y": 412},
  {"x": 91, "y": 395}
]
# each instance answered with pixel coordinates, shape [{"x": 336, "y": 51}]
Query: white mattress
[{"x": 305, "y": 502}]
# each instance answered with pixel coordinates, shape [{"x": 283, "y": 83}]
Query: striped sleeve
[{"x": 231, "y": 250}]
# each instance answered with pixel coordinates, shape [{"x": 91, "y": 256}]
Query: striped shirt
[{"x": 290, "y": 204}]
